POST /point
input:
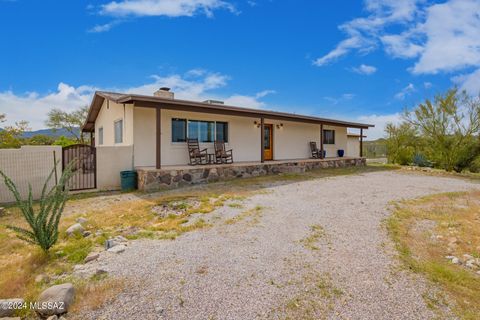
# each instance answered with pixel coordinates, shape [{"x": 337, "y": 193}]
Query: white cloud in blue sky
[
  {"x": 364, "y": 69},
  {"x": 441, "y": 37},
  {"x": 149, "y": 8}
]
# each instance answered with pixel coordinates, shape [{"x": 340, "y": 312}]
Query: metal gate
[{"x": 84, "y": 171}]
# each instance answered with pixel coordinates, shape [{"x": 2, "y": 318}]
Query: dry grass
[
  {"x": 428, "y": 229},
  {"x": 314, "y": 301},
  {"x": 310, "y": 242},
  {"x": 252, "y": 214},
  {"x": 95, "y": 294}
]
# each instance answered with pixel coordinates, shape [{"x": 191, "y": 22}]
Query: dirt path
[{"x": 316, "y": 250}]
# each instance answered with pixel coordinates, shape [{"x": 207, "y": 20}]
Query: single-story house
[{"x": 157, "y": 127}]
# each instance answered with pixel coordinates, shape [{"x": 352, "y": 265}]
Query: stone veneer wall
[{"x": 151, "y": 179}]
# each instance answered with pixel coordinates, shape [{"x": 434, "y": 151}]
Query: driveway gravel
[{"x": 260, "y": 266}]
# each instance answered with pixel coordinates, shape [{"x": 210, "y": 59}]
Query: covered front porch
[{"x": 170, "y": 177}]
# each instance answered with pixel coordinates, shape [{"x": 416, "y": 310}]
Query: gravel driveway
[{"x": 272, "y": 264}]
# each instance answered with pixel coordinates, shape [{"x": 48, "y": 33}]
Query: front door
[{"x": 268, "y": 142}]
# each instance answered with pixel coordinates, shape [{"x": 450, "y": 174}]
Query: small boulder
[
  {"x": 110, "y": 243},
  {"x": 455, "y": 260},
  {"x": 81, "y": 220},
  {"x": 100, "y": 272},
  {"x": 117, "y": 249},
  {"x": 91, "y": 257},
  {"x": 9, "y": 306},
  {"x": 56, "y": 299},
  {"x": 470, "y": 264},
  {"x": 76, "y": 228},
  {"x": 54, "y": 317},
  {"x": 86, "y": 234}
]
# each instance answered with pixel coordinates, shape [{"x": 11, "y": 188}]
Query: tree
[
  {"x": 43, "y": 222},
  {"x": 449, "y": 125},
  {"x": 64, "y": 141},
  {"x": 402, "y": 143},
  {"x": 41, "y": 140},
  {"x": 70, "y": 121},
  {"x": 11, "y": 136}
]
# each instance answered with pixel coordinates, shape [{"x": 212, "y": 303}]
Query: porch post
[
  {"x": 321, "y": 141},
  {"x": 262, "y": 138},
  {"x": 92, "y": 142},
  {"x": 361, "y": 142},
  {"x": 158, "y": 136}
]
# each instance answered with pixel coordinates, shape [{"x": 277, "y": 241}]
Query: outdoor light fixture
[
  {"x": 280, "y": 126},
  {"x": 256, "y": 123}
]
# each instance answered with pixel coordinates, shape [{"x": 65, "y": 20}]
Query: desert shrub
[
  {"x": 42, "y": 220},
  {"x": 420, "y": 160}
]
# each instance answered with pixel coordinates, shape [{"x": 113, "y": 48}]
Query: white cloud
[
  {"x": 197, "y": 85},
  {"x": 427, "y": 85},
  {"x": 453, "y": 37},
  {"x": 440, "y": 37},
  {"x": 380, "y": 121},
  {"x": 363, "y": 33},
  {"x": 33, "y": 107},
  {"x": 409, "y": 89},
  {"x": 168, "y": 8},
  {"x": 336, "y": 100},
  {"x": 365, "y": 69},
  {"x": 105, "y": 27},
  {"x": 469, "y": 82}
]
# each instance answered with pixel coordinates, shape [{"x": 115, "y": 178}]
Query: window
[
  {"x": 328, "y": 136},
  {"x": 201, "y": 130},
  {"x": 179, "y": 130},
  {"x": 204, "y": 131},
  {"x": 100, "y": 136},
  {"x": 221, "y": 129},
  {"x": 118, "y": 125}
]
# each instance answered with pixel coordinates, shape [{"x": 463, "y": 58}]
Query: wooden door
[{"x": 268, "y": 142}]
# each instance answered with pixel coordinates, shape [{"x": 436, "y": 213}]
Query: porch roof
[{"x": 194, "y": 106}]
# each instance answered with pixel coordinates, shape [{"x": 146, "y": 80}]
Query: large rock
[
  {"x": 56, "y": 299},
  {"x": 76, "y": 228},
  {"x": 9, "y": 306}
]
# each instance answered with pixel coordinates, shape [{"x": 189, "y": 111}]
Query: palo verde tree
[
  {"x": 70, "y": 121},
  {"x": 11, "y": 136},
  {"x": 43, "y": 222},
  {"x": 450, "y": 124},
  {"x": 402, "y": 143}
]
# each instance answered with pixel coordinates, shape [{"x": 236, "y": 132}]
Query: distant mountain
[{"x": 48, "y": 132}]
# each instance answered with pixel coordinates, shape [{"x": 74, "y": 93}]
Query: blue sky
[{"x": 357, "y": 60}]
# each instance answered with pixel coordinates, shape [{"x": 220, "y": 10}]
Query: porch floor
[{"x": 241, "y": 164}]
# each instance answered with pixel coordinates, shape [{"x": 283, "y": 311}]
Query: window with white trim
[
  {"x": 100, "y": 136},
  {"x": 118, "y": 126}
]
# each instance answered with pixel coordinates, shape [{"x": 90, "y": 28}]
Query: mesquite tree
[{"x": 43, "y": 222}]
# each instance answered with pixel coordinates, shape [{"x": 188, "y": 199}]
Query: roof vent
[
  {"x": 213, "y": 102},
  {"x": 164, "y": 92}
]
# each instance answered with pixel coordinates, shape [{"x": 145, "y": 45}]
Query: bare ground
[{"x": 316, "y": 250}]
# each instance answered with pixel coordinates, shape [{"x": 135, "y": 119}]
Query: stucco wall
[
  {"x": 110, "y": 161},
  {"x": 353, "y": 147},
  {"x": 109, "y": 113},
  {"x": 29, "y": 165},
  {"x": 290, "y": 141}
]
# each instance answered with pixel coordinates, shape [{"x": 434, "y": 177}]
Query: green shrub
[{"x": 43, "y": 222}]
